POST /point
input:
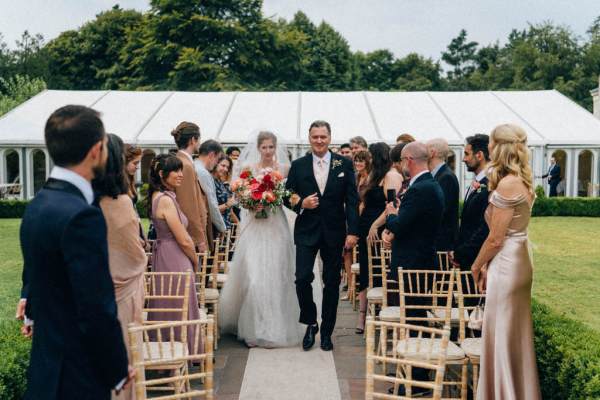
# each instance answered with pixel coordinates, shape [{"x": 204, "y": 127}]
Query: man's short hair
[
  {"x": 359, "y": 140},
  {"x": 345, "y": 146},
  {"x": 210, "y": 146},
  {"x": 440, "y": 146},
  {"x": 70, "y": 133},
  {"x": 479, "y": 142},
  {"x": 320, "y": 124},
  {"x": 231, "y": 149},
  {"x": 396, "y": 152},
  {"x": 405, "y": 138}
]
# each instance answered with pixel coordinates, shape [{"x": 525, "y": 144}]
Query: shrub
[
  {"x": 14, "y": 358},
  {"x": 12, "y": 208},
  {"x": 566, "y": 207}
]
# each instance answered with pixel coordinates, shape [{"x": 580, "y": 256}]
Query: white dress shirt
[
  {"x": 84, "y": 186},
  {"x": 207, "y": 182}
]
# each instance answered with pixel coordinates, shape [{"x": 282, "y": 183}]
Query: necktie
[{"x": 321, "y": 177}]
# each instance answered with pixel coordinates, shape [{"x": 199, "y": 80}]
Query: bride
[{"x": 258, "y": 301}]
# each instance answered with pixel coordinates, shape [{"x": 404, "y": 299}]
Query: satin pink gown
[{"x": 508, "y": 366}]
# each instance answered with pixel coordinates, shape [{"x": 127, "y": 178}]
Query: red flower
[
  {"x": 267, "y": 178},
  {"x": 256, "y": 195},
  {"x": 245, "y": 174}
]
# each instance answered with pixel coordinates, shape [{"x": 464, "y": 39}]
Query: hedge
[{"x": 568, "y": 357}]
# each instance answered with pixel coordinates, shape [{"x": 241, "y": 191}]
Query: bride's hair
[
  {"x": 509, "y": 156},
  {"x": 265, "y": 135}
]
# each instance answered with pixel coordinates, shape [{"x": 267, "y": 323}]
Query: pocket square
[{"x": 341, "y": 175}]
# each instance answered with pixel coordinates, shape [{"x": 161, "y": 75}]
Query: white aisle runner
[{"x": 291, "y": 373}]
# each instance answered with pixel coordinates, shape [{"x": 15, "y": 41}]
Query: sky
[{"x": 402, "y": 26}]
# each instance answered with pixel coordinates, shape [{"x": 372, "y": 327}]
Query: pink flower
[{"x": 235, "y": 185}]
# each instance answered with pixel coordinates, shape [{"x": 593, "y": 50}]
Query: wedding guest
[
  {"x": 405, "y": 138},
  {"x": 233, "y": 152},
  {"x": 373, "y": 195},
  {"x": 191, "y": 198},
  {"x": 126, "y": 255},
  {"x": 174, "y": 249},
  {"x": 209, "y": 154},
  {"x": 78, "y": 344},
  {"x": 221, "y": 175},
  {"x": 346, "y": 151},
  {"x": 396, "y": 158},
  {"x": 133, "y": 158},
  {"x": 358, "y": 143},
  {"x": 362, "y": 168},
  {"x": 504, "y": 269},
  {"x": 473, "y": 228},
  {"x": 438, "y": 153},
  {"x": 553, "y": 176}
]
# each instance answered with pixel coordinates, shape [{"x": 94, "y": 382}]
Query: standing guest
[
  {"x": 133, "y": 157},
  {"x": 396, "y": 158},
  {"x": 78, "y": 346},
  {"x": 473, "y": 228},
  {"x": 221, "y": 175},
  {"x": 346, "y": 151},
  {"x": 553, "y": 176},
  {"x": 373, "y": 195},
  {"x": 191, "y": 199},
  {"x": 358, "y": 143},
  {"x": 126, "y": 255},
  {"x": 362, "y": 168},
  {"x": 174, "y": 249},
  {"x": 233, "y": 152},
  {"x": 504, "y": 269},
  {"x": 405, "y": 138},
  {"x": 209, "y": 154},
  {"x": 438, "y": 152}
]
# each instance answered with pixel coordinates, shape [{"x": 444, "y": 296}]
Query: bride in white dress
[{"x": 258, "y": 301}]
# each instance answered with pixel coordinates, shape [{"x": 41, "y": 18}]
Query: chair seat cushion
[
  {"x": 355, "y": 268},
  {"x": 422, "y": 349},
  {"x": 375, "y": 294},
  {"x": 152, "y": 351},
  {"x": 472, "y": 347},
  {"x": 211, "y": 294},
  {"x": 390, "y": 314},
  {"x": 440, "y": 313}
]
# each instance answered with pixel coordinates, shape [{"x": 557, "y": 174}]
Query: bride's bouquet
[{"x": 266, "y": 189}]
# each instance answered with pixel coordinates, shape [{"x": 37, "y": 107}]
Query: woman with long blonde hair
[{"x": 504, "y": 269}]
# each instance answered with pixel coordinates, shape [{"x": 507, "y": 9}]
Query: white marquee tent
[{"x": 555, "y": 125}]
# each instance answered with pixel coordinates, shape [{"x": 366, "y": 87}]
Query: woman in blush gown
[
  {"x": 504, "y": 268},
  {"x": 258, "y": 302}
]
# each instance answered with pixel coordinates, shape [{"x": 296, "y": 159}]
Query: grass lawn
[{"x": 566, "y": 258}]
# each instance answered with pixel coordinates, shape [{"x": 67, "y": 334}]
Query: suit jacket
[
  {"x": 337, "y": 213},
  {"x": 78, "y": 349},
  {"x": 192, "y": 201},
  {"x": 473, "y": 228},
  {"x": 449, "y": 229},
  {"x": 416, "y": 226},
  {"x": 554, "y": 175}
]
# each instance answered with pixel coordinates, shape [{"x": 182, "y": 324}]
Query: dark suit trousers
[
  {"x": 332, "y": 266},
  {"x": 553, "y": 192}
]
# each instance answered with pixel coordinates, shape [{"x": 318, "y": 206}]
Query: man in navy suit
[
  {"x": 553, "y": 176},
  {"x": 78, "y": 350}
]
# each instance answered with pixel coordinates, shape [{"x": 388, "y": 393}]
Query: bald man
[{"x": 438, "y": 151}]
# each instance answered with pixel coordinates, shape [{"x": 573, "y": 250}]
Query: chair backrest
[
  {"x": 201, "y": 278},
  {"x": 166, "y": 296},
  {"x": 414, "y": 347},
  {"x": 174, "y": 343},
  {"x": 425, "y": 296},
  {"x": 444, "y": 260},
  {"x": 376, "y": 262},
  {"x": 468, "y": 298},
  {"x": 222, "y": 252},
  {"x": 212, "y": 270}
]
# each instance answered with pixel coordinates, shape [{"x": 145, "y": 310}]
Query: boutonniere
[
  {"x": 478, "y": 187},
  {"x": 336, "y": 163}
]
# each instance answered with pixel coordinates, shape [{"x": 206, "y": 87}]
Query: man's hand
[
  {"x": 311, "y": 202},
  {"x": 387, "y": 238},
  {"x": 452, "y": 260},
  {"x": 351, "y": 241},
  {"x": 130, "y": 378},
  {"x": 27, "y": 330},
  {"x": 391, "y": 209},
  {"x": 20, "y": 315}
]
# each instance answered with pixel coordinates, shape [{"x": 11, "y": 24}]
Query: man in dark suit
[
  {"x": 473, "y": 228},
  {"x": 412, "y": 228},
  {"x": 326, "y": 201},
  {"x": 438, "y": 153},
  {"x": 553, "y": 176},
  {"x": 78, "y": 350}
]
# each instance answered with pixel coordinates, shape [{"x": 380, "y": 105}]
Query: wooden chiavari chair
[
  {"x": 426, "y": 349},
  {"x": 153, "y": 346},
  {"x": 166, "y": 296},
  {"x": 206, "y": 287},
  {"x": 444, "y": 260},
  {"x": 354, "y": 272},
  {"x": 376, "y": 264}
]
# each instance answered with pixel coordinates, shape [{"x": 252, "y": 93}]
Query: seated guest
[
  {"x": 174, "y": 250},
  {"x": 209, "y": 154},
  {"x": 358, "y": 143},
  {"x": 126, "y": 255},
  {"x": 221, "y": 174},
  {"x": 346, "y": 151},
  {"x": 438, "y": 152},
  {"x": 78, "y": 349},
  {"x": 473, "y": 229},
  {"x": 405, "y": 138}
]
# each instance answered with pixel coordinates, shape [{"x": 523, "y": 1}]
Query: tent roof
[{"x": 147, "y": 118}]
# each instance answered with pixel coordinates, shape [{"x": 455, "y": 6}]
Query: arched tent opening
[
  {"x": 584, "y": 174},
  {"x": 12, "y": 173},
  {"x": 147, "y": 157},
  {"x": 38, "y": 158},
  {"x": 561, "y": 159}
]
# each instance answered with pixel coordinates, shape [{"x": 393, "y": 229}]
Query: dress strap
[{"x": 504, "y": 202}]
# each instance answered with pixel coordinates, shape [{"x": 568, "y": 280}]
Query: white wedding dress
[{"x": 258, "y": 302}]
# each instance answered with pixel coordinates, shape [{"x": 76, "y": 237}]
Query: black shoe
[
  {"x": 309, "y": 336},
  {"x": 416, "y": 391},
  {"x": 326, "y": 344}
]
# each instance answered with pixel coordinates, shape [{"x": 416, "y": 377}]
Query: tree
[
  {"x": 17, "y": 89},
  {"x": 415, "y": 72},
  {"x": 461, "y": 56}
]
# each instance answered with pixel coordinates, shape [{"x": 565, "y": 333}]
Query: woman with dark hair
[
  {"x": 174, "y": 249},
  {"x": 373, "y": 195},
  {"x": 222, "y": 174},
  {"x": 126, "y": 255},
  {"x": 133, "y": 157},
  {"x": 362, "y": 168}
]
